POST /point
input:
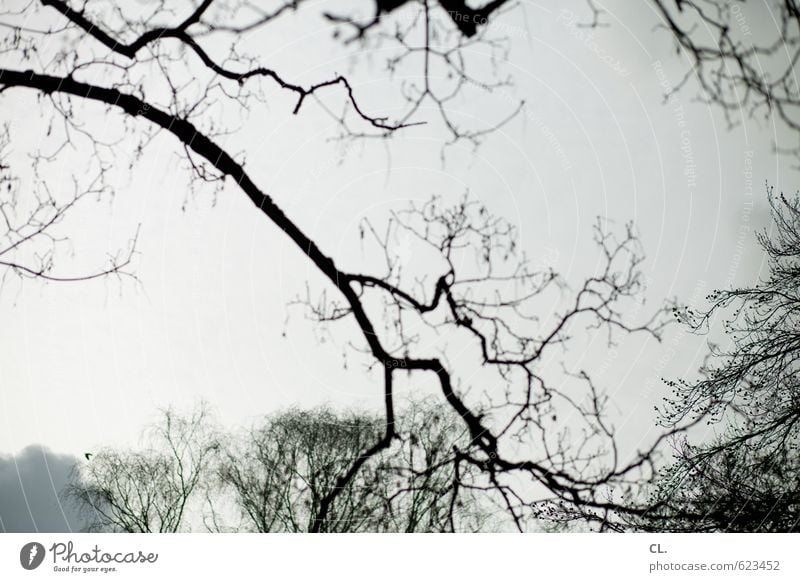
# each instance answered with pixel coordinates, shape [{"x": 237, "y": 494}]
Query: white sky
[{"x": 83, "y": 365}]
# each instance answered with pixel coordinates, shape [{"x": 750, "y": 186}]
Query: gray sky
[
  {"x": 30, "y": 481},
  {"x": 87, "y": 364}
]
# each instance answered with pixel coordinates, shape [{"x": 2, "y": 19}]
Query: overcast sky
[
  {"x": 30, "y": 482},
  {"x": 86, "y": 365}
]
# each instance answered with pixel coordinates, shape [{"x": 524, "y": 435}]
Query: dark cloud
[{"x": 30, "y": 483}]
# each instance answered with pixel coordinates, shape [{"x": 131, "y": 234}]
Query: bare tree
[
  {"x": 150, "y": 490},
  {"x": 276, "y": 476},
  {"x": 30, "y": 240},
  {"x": 537, "y": 434},
  {"x": 283, "y": 470},
  {"x": 742, "y": 54},
  {"x": 733, "y": 489},
  {"x": 430, "y": 488},
  {"x": 745, "y": 479}
]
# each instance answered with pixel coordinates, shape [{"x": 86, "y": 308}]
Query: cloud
[{"x": 30, "y": 482}]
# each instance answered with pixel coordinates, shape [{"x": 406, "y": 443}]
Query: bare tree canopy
[
  {"x": 281, "y": 473},
  {"x": 147, "y": 491},
  {"x": 747, "y": 478},
  {"x": 743, "y": 55},
  {"x": 285, "y": 471},
  {"x": 157, "y": 72},
  {"x": 522, "y": 425}
]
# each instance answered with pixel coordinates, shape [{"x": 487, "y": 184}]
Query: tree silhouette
[
  {"x": 745, "y": 479},
  {"x": 29, "y": 245},
  {"x": 536, "y": 424},
  {"x": 743, "y": 67},
  {"x": 733, "y": 489},
  {"x": 279, "y": 474},
  {"x": 151, "y": 490},
  {"x": 284, "y": 471}
]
